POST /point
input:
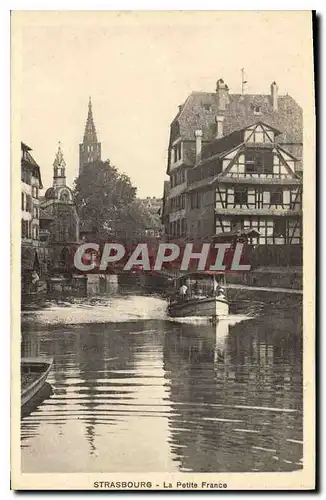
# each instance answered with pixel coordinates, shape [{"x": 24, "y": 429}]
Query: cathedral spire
[
  {"x": 90, "y": 130},
  {"x": 59, "y": 168},
  {"x": 90, "y": 148}
]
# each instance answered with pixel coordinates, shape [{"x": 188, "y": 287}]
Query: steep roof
[
  {"x": 200, "y": 109},
  {"x": 90, "y": 130},
  {"x": 27, "y": 160}
]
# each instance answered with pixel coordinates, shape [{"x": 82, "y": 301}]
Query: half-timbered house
[
  {"x": 250, "y": 182},
  {"x": 235, "y": 162}
]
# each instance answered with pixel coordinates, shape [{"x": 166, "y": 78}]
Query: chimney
[
  {"x": 198, "y": 135},
  {"x": 222, "y": 91},
  {"x": 274, "y": 95},
  {"x": 219, "y": 126}
]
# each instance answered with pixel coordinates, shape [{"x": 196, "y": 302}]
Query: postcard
[{"x": 163, "y": 201}]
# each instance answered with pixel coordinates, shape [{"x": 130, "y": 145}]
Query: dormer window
[
  {"x": 257, "y": 110},
  {"x": 177, "y": 152}
]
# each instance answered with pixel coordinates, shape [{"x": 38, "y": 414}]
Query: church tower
[
  {"x": 59, "y": 169},
  {"x": 90, "y": 148},
  {"x": 59, "y": 190}
]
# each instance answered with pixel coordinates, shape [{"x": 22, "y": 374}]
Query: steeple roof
[
  {"x": 59, "y": 160},
  {"x": 90, "y": 130}
]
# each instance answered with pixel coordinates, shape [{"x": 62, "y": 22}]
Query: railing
[{"x": 258, "y": 211}]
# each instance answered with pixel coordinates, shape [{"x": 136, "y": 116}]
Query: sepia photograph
[{"x": 163, "y": 320}]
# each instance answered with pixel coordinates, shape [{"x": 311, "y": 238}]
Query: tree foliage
[{"x": 106, "y": 202}]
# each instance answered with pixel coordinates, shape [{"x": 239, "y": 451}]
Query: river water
[{"x": 133, "y": 391}]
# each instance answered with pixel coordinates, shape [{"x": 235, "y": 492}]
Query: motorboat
[{"x": 199, "y": 294}]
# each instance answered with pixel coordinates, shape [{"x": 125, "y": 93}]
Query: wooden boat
[
  {"x": 210, "y": 302},
  {"x": 199, "y": 301},
  {"x": 33, "y": 375}
]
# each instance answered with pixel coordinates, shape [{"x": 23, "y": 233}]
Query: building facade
[
  {"x": 31, "y": 184},
  {"x": 154, "y": 207},
  {"x": 153, "y": 204},
  {"x": 235, "y": 162},
  {"x": 59, "y": 219},
  {"x": 90, "y": 148}
]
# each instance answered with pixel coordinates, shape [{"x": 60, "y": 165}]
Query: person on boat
[
  {"x": 183, "y": 291},
  {"x": 215, "y": 287},
  {"x": 220, "y": 292}
]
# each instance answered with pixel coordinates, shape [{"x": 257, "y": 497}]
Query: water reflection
[
  {"x": 44, "y": 393},
  {"x": 236, "y": 397},
  {"x": 154, "y": 395}
]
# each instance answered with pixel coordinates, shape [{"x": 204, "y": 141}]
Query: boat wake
[
  {"x": 118, "y": 309},
  {"x": 231, "y": 319},
  {"x": 100, "y": 310}
]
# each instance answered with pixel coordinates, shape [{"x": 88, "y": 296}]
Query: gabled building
[
  {"x": 59, "y": 218},
  {"x": 235, "y": 162},
  {"x": 31, "y": 184},
  {"x": 246, "y": 180},
  {"x": 90, "y": 148}
]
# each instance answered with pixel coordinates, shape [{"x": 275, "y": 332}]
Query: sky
[{"x": 137, "y": 68}]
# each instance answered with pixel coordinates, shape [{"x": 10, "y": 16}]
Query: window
[
  {"x": 240, "y": 195},
  {"x": 250, "y": 167},
  {"x": 207, "y": 107},
  {"x": 25, "y": 228},
  {"x": 236, "y": 224},
  {"x": 177, "y": 152},
  {"x": 23, "y": 201},
  {"x": 276, "y": 198},
  {"x": 259, "y": 161},
  {"x": 64, "y": 196},
  {"x": 61, "y": 234},
  {"x": 28, "y": 203},
  {"x": 26, "y": 176},
  {"x": 257, "y": 110},
  {"x": 194, "y": 200},
  {"x": 183, "y": 227},
  {"x": 279, "y": 228}
]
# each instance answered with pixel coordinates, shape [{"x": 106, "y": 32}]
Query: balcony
[
  {"x": 279, "y": 212},
  {"x": 248, "y": 179}
]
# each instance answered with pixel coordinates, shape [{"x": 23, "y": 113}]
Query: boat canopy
[{"x": 199, "y": 274}]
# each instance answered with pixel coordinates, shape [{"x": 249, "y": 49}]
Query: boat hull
[
  {"x": 39, "y": 369},
  {"x": 211, "y": 307}
]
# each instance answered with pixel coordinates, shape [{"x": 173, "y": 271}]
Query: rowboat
[
  {"x": 203, "y": 296},
  {"x": 33, "y": 375}
]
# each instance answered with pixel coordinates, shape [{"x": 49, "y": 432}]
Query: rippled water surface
[{"x": 132, "y": 390}]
